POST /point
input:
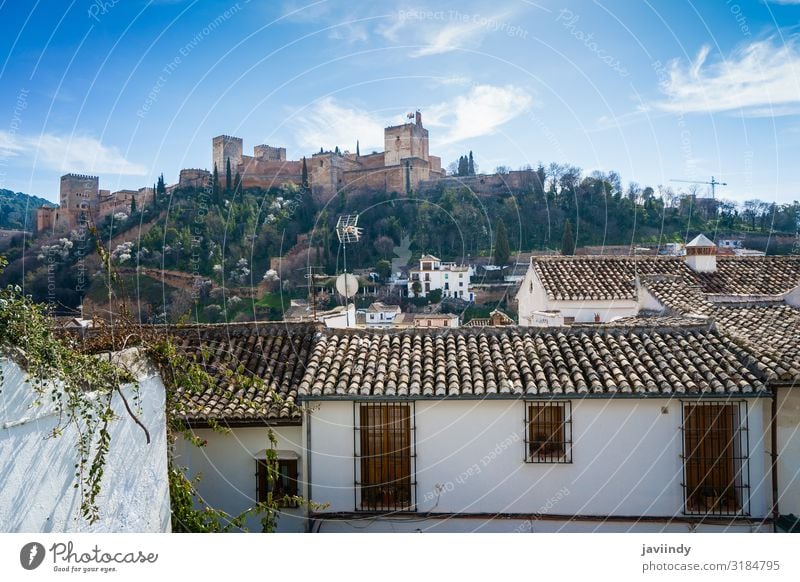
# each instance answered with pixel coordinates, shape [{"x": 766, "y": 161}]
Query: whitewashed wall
[
  {"x": 37, "y": 473},
  {"x": 228, "y": 468},
  {"x": 533, "y": 297},
  {"x": 626, "y": 461},
  {"x": 789, "y": 451}
]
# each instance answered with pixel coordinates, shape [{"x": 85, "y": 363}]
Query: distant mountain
[{"x": 16, "y": 206}]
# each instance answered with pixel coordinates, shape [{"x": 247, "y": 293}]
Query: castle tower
[
  {"x": 79, "y": 199},
  {"x": 224, "y": 148},
  {"x": 402, "y": 142}
]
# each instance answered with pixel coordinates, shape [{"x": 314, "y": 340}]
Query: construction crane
[{"x": 713, "y": 183}]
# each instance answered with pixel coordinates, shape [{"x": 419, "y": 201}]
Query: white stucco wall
[
  {"x": 626, "y": 460},
  {"x": 533, "y": 297},
  {"x": 227, "y": 465},
  {"x": 37, "y": 478},
  {"x": 789, "y": 450}
]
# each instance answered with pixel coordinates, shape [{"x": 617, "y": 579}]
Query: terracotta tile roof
[
  {"x": 598, "y": 360},
  {"x": 274, "y": 352},
  {"x": 678, "y": 295},
  {"x": 606, "y": 278},
  {"x": 771, "y": 331}
]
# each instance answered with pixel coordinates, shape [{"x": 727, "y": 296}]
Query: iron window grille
[
  {"x": 384, "y": 456},
  {"x": 283, "y": 488},
  {"x": 548, "y": 432},
  {"x": 716, "y": 470}
]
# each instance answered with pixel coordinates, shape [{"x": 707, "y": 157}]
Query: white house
[
  {"x": 433, "y": 274},
  {"x": 380, "y": 316},
  {"x": 37, "y": 471},
  {"x": 603, "y": 428},
  {"x": 754, "y": 300},
  {"x": 649, "y": 424}
]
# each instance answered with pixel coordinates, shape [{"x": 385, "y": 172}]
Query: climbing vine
[{"x": 79, "y": 387}]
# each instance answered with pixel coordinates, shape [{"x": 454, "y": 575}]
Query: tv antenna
[
  {"x": 713, "y": 183},
  {"x": 348, "y": 232}
]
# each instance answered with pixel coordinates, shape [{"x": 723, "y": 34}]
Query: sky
[{"x": 128, "y": 89}]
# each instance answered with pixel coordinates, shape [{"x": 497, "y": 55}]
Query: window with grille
[
  {"x": 548, "y": 432},
  {"x": 384, "y": 456},
  {"x": 284, "y": 483},
  {"x": 715, "y": 452}
]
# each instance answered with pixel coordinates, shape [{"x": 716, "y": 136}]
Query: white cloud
[
  {"x": 328, "y": 124},
  {"x": 443, "y": 31},
  {"x": 69, "y": 153},
  {"x": 761, "y": 78},
  {"x": 480, "y": 112},
  {"x": 451, "y": 37}
]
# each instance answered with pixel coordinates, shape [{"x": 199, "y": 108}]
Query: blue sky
[{"x": 128, "y": 89}]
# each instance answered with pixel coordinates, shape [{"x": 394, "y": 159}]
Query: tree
[
  {"x": 416, "y": 288},
  {"x": 463, "y": 166},
  {"x": 237, "y": 182},
  {"x": 567, "y": 241},
  {"x": 358, "y": 149},
  {"x": 228, "y": 180},
  {"x": 471, "y": 165},
  {"x": 304, "y": 179},
  {"x": 215, "y": 191},
  {"x": 502, "y": 253},
  {"x": 133, "y": 205},
  {"x": 384, "y": 245},
  {"x": 161, "y": 187},
  {"x": 384, "y": 269}
]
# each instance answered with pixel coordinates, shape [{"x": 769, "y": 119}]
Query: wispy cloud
[
  {"x": 69, "y": 153},
  {"x": 442, "y": 31},
  {"x": 480, "y": 112},
  {"x": 328, "y": 124},
  {"x": 760, "y": 79}
]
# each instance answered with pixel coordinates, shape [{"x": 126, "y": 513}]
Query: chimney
[{"x": 701, "y": 255}]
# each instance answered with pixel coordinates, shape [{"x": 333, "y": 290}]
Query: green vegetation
[{"x": 18, "y": 210}]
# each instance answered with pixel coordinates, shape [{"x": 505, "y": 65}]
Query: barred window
[
  {"x": 715, "y": 458},
  {"x": 384, "y": 456},
  {"x": 549, "y": 432}
]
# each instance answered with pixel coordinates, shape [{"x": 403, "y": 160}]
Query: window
[
  {"x": 384, "y": 457},
  {"x": 284, "y": 485},
  {"x": 549, "y": 432},
  {"x": 715, "y": 469}
]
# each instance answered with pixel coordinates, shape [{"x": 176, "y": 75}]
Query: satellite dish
[{"x": 347, "y": 285}]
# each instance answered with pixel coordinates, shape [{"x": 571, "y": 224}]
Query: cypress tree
[
  {"x": 161, "y": 187},
  {"x": 215, "y": 193},
  {"x": 237, "y": 182},
  {"x": 228, "y": 175},
  {"x": 471, "y": 165},
  {"x": 502, "y": 252},
  {"x": 567, "y": 241},
  {"x": 133, "y": 205},
  {"x": 304, "y": 179},
  {"x": 358, "y": 150}
]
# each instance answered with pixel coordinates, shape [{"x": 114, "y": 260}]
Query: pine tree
[
  {"x": 502, "y": 252},
  {"x": 304, "y": 178},
  {"x": 228, "y": 175},
  {"x": 471, "y": 165},
  {"x": 567, "y": 241},
  {"x": 133, "y": 205}
]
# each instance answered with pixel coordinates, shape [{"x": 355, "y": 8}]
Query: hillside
[
  {"x": 17, "y": 210},
  {"x": 228, "y": 242}
]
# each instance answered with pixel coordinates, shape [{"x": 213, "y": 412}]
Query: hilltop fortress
[
  {"x": 82, "y": 201},
  {"x": 401, "y": 167}
]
